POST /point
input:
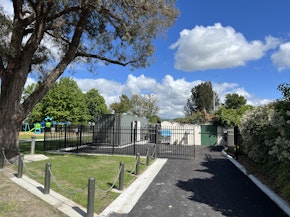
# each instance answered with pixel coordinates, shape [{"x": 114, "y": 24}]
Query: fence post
[
  {"x": 134, "y": 137},
  {"x": 156, "y": 141},
  {"x": 147, "y": 157},
  {"x": 121, "y": 176},
  {"x": 32, "y": 149},
  {"x": 91, "y": 197},
  {"x": 47, "y": 178},
  {"x": 65, "y": 136},
  {"x": 138, "y": 164},
  {"x": 20, "y": 166},
  {"x": 2, "y": 158}
]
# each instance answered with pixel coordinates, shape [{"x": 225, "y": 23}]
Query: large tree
[
  {"x": 65, "y": 102},
  {"x": 202, "y": 99},
  {"x": 44, "y": 37}
]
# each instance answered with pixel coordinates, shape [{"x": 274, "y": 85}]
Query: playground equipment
[{"x": 45, "y": 124}]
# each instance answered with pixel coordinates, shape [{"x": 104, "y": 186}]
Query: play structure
[{"x": 42, "y": 126}]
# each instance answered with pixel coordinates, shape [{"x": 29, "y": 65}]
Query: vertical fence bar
[
  {"x": 47, "y": 178},
  {"x": 44, "y": 142},
  {"x": 134, "y": 136},
  {"x": 93, "y": 132},
  {"x": 80, "y": 136},
  {"x": 2, "y": 158},
  {"x": 156, "y": 141},
  {"x": 20, "y": 166},
  {"x": 138, "y": 164},
  {"x": 65, "y": 136},
  {"x": 91, "y": 197},
  {"x": 121, "y": 176}
]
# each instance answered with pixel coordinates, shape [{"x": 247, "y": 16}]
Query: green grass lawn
[
  {"x": 28, "y": 135},
  {"x": 72, "y": 172}
]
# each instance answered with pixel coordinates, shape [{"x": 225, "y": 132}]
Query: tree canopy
[
  {"x": 123, "y": 106},
  {"x": 234, "y": 101},
  {"x": 65, "y": 102},
  {"x": 95, "y": 104},
  {"x": 202, "y": 98},
  {"x": 44, "y": 37},
  {"x": 144, "y": 106}
]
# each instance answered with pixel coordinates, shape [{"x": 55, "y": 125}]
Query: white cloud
[
  {"x": 217, "y": 47},
  {"x": 281, "y": 58},
  {"x": 172, "y": 94}
]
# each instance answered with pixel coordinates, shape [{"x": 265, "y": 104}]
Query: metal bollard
[
  {"x": 147, "y": 157},
  {"x": 91, "y": 197},
  {"x": 20, "y": 166},
  {"x": 2, "y": 158},
  {"x": 138, "y": 164},
  {"x": 47, "y": 178},
  {"x": 32, "y": 145},
  {"x": 121, "y": 176},
  {"x": 156, "y": 151}
]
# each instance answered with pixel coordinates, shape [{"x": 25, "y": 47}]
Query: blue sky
[{"x": 241, "y": 46}]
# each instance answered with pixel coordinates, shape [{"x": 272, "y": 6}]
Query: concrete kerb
[
  {"x": 60, "y": 202},
  {"x": 130, "y": 196},
  {"x": 272, "y": 195}
]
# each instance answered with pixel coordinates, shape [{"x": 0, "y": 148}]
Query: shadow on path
[{"x": 217, "y": 183}]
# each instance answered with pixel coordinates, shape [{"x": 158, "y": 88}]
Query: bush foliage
[{"x": 266, "y": 140}]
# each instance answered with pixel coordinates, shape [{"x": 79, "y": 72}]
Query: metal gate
[
  {"x": 208, "y": 135},
  {"x": 176, "y": 142}
]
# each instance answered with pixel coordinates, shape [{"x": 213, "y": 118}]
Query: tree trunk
[
  {"x": 11, "y": 115},
  {"x": 9, "y": 134}
]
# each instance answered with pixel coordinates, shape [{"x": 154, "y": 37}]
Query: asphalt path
[{"x": 208, "y": 185}]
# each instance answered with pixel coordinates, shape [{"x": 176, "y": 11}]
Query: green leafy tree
[
  {"x": 123, "y": 106},
  {"x": 144, "y": 106},
  {"x": 234, "y": 101},
  {"x": 96, "y": 104},
  {"x": 202, "y": 98},
  {"x": 230, "y": 117},
  {"x": 64, "y": 102},
  {"x": 44, "y": 37}
]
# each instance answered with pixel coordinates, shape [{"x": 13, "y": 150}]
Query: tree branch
[
  {"x": 48, "y": 82},
  {"x": 95, "y": 56},
  {"x": 61, "y": 13}
]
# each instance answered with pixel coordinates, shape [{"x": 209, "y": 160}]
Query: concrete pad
[
  {"x": 130, "y": 196},
  {"x": 34, "y": 157}
]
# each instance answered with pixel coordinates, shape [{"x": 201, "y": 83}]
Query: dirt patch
[{"x": 17, "y": 202}]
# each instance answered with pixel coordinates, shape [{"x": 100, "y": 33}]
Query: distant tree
[
  {"x": 123, "y": 106},
  {"x": 234, "y": 101},
  {"x": 202, "y": 98},
  {"x": 96, "y": 104},
  {"x": 45, "y": 37},
  {"x": 64, "y": 102},
  {"x": 144, "y": 106}
]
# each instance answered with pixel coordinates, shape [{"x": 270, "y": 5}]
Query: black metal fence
[{"x": 122, "y": 140}]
